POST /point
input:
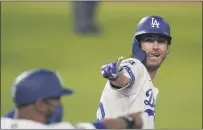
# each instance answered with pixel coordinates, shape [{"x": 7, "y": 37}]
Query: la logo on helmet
[{"x": 154, "y": 23}]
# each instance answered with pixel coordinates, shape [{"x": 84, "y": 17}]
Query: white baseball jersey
[
  {"x": 139, "y": 95},
  {"x": 8, "y": 123}
]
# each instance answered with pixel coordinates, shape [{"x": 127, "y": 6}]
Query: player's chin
[
  {"x": 154, "y": 61},
  {"x": 153, "y": 65}
]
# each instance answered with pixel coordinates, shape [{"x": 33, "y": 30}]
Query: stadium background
[{"x": 39, "y": 34}]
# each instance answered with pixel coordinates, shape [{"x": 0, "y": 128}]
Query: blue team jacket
[{"x": 10, "y": 114}]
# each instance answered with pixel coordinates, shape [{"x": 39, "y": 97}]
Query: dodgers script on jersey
[
  {"x": 8, "y": 123},
  {"x": 140, "y": 95}
]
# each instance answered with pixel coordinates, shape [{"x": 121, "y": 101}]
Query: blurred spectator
[{"x": 84, "y": 17}]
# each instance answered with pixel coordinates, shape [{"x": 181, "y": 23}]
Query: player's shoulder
[
  {"x": 6, "y": 120},
  {"x": 8, "y": 123}
]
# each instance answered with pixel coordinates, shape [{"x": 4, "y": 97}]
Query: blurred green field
[{"x": 39, "y": 34}]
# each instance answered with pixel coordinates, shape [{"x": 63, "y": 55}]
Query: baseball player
[
  {"x": 129, "y": 86},
  {"x": 37, "y": 97}
]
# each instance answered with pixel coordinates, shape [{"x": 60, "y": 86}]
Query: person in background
[{"x": 84, "y": 17}]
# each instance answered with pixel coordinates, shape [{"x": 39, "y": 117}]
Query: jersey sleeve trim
[{"x": 132, "y": 76}]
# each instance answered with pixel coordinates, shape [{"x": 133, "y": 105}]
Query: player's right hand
[{"x": 110, "y": 71}]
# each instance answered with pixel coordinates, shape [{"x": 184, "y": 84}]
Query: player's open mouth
[{"x": 154, "y": 55}]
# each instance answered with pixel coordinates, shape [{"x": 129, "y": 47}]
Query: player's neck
[
  {"x": 152, "y": 74},
  {"x": 29, "y": 115}
]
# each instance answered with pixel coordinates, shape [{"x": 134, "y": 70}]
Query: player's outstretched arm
[
  {"x": 131, "y": 121},
  {"x": 119, "y": 76}
]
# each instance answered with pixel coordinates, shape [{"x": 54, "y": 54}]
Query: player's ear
[{"x": 40, "y": 106}]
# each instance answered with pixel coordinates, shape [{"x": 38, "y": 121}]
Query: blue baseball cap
[{"x": 38, "y": 84}]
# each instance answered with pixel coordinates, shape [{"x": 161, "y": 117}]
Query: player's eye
[
  {"x": 148, "y": 39},
  {"x": 161, "y": 40}
]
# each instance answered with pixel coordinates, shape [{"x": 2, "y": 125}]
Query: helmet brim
[
  {"x": 66, "y": 92},
  {"x": 152, "y": 32}
]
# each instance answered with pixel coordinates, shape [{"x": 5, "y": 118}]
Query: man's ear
[{"x": 40, "y": 106}]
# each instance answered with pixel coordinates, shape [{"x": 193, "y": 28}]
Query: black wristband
[{"x": 130, "y": 121}]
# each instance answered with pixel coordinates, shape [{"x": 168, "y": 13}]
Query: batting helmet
[
  {"x": 151, "y": 25},
  {"x": 37, "y": 84}
]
